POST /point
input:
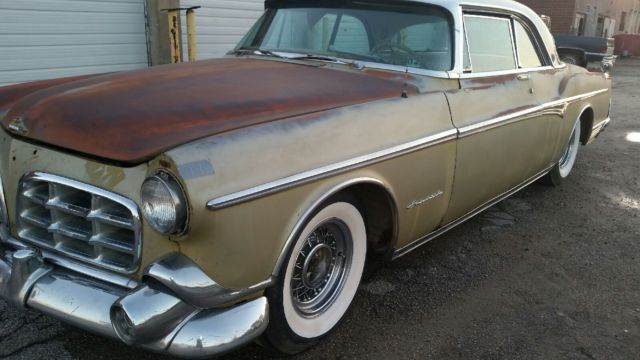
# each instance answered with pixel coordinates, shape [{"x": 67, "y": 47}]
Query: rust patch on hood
[
  {"x": 10, "y": 94},
  {"x": 131, "y": 117}
]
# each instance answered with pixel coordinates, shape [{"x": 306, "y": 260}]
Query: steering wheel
[{"x": 398, "y": 54}]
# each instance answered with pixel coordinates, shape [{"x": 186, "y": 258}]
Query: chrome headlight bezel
[{"x": 176, "y": 196}]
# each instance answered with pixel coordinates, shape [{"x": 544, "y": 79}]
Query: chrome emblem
[
  {"x": 417, "y": 203},
  {"x": 18, "y": 127}
]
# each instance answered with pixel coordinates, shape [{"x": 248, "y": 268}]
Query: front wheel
[
  {"x": 319, "y": 280},
  {"x": 563, "y": 168}
]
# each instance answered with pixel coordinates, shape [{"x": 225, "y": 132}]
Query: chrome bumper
[{"x": 150, "y": 316}]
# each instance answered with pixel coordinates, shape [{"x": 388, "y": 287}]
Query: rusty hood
[{"x": 131, "y": 117}]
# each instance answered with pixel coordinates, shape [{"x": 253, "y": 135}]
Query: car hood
[{"x": 131, "y": 117}]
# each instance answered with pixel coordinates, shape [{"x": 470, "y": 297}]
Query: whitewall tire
[{"x": 319, "y": 279}]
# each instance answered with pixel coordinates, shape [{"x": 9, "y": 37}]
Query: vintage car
[{"x": 193, "y": 208}]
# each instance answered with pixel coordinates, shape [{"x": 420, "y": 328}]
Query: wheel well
[
  {"x": 379, "y": 211},
  {"x": 586, "y": 125}
]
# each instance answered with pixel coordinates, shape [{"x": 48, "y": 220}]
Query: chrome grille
[{"x": 80, "y": 221}]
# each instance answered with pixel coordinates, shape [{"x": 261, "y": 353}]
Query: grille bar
[{"x": 80, "y": 221}]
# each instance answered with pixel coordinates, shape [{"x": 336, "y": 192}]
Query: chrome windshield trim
[
  {"x": 524, "y": 114},
  {"x": 328, "y": 170}
]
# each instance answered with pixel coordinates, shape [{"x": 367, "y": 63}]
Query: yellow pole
[
  {"x": 174, "y": 35},
  {"x": 191, "y": 34}
]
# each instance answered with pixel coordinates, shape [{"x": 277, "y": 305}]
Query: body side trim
[
  {"x": 419, "y": 242},
  {"x": 525, "y": 114},
  {"x": 329, "y": 170}
]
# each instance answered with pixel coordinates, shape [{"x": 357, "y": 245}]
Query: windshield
[{"x": 407, "y": 35}]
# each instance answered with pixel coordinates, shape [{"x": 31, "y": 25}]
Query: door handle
[{"x": 523, "y": 77}]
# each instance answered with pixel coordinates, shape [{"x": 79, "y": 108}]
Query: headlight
[{"x": 164, "y": 204}]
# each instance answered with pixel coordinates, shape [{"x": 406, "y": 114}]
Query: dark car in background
[{"x": 584, "y": 50}]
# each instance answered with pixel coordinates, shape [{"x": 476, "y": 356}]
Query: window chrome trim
[
  {"x": 524, "y": 114},
  {"x": 329, "y": 170},
  {"x": 126, "y": 202},
  {"x": 496, "y": 17},
  {"x": 4, "y": 216},
  {"x": 504, "y": 72}
]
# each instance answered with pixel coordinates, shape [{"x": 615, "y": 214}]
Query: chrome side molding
[
  {"x": 547, "y": 108},
  {"x": 184, "y": 277},
  {"x": 329, "y": 170},
  {"x": 419, "y": 242}
]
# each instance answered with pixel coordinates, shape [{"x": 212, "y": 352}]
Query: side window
[
  {"x": 527, "y": 54},
  {"x": 490, "y": 43},
  {"x": 351, "y": 36}
]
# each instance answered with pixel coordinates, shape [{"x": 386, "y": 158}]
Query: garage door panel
[
  {"x": 46, "y": 39},
  {"x": 64, "y": 62},
  {"x": 26, "y": 40},
  {"x": 71, "y": 29},
  {"x": 75, "y": 6},
  {"x": 12, "y": 77},
  {"x": 221, "y": 24},
  {"x": 67, "y": 52},
  {"x": 59, "y": 18}
]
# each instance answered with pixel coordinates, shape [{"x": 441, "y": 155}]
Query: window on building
[
  {"x": 579, "y": 24},
  {"x": 623, "y": 20}
]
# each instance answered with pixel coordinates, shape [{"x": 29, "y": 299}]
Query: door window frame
[{"x": 534, "y": 38}]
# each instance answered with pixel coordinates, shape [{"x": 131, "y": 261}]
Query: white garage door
[
  {"x": 43, "y": 39},
  {"x": 221, "y": 24}
]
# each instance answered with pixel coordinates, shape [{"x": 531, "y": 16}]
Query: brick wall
[{"x": 561, "y": 12}]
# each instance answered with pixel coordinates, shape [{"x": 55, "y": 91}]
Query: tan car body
[{"x": 419, "y": 163}]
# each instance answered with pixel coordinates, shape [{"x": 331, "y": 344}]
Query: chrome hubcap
[{"x": 321, "y": 267}]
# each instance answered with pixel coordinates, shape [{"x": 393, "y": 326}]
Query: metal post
[
  {"x": 191, "y": 33},
  {"x": 174, "y": 35}
]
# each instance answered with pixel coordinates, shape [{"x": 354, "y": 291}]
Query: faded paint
[{"x": 132, "y": 117}]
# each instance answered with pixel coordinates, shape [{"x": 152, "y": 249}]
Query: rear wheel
[
  {"x": 319, "y": 280},
  {"x": 567, "y": 161}
]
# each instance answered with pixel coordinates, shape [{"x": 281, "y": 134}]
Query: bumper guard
[{"x": 151, "y": 317}]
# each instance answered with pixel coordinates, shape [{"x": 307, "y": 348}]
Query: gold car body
[{"x": 420, "y": 163}]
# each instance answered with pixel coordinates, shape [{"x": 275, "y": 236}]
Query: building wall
[
  {"x": 561, "y": 12},
  {"x": 55, "y": 38}
]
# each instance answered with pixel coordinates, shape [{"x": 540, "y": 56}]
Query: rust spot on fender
[{"x": 131, "y": 117}]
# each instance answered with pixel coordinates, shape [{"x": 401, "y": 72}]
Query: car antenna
[{"x": 405, "y": 95}]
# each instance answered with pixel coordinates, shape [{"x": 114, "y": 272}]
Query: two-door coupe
[{"x": 190, "y": 209}]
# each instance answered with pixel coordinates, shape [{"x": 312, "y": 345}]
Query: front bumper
[{"x": 151, "y": 316}]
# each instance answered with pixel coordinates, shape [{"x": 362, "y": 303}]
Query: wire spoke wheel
[{"x": 320, "y": 268}]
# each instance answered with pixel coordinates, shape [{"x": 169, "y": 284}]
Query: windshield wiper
[
  {"x": 294, "y": 56},
  {"x": 355, "y": 64},
  {"x": 259, "y": 52}
]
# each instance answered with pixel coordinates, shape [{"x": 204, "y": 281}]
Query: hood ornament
[{"x": 18, "y": 127}]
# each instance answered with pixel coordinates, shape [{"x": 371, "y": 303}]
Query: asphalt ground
[{"x": 551, "y": 273}]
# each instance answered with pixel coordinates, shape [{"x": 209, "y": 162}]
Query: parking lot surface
[{"x": 552, "y": 273}]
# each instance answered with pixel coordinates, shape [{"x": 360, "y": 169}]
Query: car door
[{"x": 503, "y": 135}]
